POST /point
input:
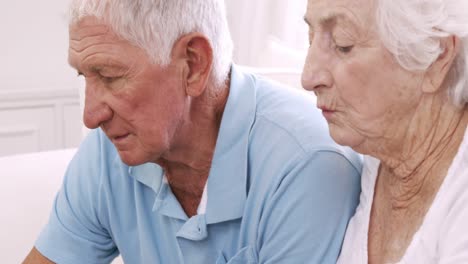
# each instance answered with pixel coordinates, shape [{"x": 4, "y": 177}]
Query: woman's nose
[{"x": 317, "y": 73}]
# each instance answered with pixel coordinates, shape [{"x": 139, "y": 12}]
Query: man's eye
[
  {"x": 106, "y": 79},
  {"x": 344, "y": 49}
]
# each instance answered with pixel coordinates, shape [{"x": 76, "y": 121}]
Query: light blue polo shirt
[{"x": 279, "y": 191}]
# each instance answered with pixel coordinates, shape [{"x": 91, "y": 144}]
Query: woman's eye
[
  {"x": 311, "y": 36},
  {"x": 344, "y": 49}
]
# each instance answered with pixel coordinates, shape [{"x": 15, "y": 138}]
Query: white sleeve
[{"x": 453, "y": 242}]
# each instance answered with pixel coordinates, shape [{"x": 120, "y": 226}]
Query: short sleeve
[
  {"x": 453, "y": 242},
  {"x": 74, "y": 233},
  {"x": 306, "y": 218}
]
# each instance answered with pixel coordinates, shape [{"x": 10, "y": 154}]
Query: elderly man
[{"x": 192, "y": 160}]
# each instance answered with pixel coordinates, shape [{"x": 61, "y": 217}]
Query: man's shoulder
[
  {"x": 290, "y": 109},
  {"x": 97, "y": 146},
  {"x": 290, "y": 138},
  {"x": 95, "y": 159},
  {"x": 286, "y": 119}
]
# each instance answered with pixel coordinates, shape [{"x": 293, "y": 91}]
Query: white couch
[
  {"x": 29, "y": 184},
  {"x": 26, "y": 198}
]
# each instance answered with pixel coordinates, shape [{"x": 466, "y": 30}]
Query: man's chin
[{"x": 130, "y": 158}]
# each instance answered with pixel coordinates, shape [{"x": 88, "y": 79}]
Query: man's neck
[{"x": 187, "y": 164}]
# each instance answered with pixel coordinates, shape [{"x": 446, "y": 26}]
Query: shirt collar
[
  {"x": 226, "y": 186},
  {"x": 150, "y": 174},
  {"x": 227, "y": 182}
]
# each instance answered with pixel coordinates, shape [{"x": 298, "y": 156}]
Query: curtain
[{"x": 268, "y": 32}]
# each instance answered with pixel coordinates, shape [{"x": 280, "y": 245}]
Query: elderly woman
[{"x": 391, "y": 80}]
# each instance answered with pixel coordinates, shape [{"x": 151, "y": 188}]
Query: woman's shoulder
[
  {"x": 368, "y": 177},
  {"x": 444, "y": 231}
]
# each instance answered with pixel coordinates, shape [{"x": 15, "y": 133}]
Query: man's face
[{"x": 137, "y": 104}]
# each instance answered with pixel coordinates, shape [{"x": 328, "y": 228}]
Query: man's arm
[
  {"x": 35, "y": 257},
  {"x": 75, "y": 233},
  {"x": 306, "y": 218}
]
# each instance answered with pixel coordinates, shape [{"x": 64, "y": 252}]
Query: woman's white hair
[
  {"x": 412, "y": 31},
  {"x": 155, "y": 25}
]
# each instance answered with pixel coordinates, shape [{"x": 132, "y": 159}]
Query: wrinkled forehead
[
  {"x": 360, "y": 12},
  {"x": 89, "y": 26},
  {"x": 90, "y": 37}
]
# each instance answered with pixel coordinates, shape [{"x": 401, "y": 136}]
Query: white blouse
[{"x": 443, "y": 235}]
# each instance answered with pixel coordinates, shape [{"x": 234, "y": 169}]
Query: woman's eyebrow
[{"x": 327, "y": 20}]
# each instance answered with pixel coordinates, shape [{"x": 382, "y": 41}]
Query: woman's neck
[{"x": 419, "y": 161}]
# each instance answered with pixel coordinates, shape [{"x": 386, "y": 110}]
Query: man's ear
[
  {"x": 195, "y": 53},
  {"x": 437, "y": 72}
]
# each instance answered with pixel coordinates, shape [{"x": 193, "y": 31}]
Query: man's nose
[
  {"x": 96, "y": 110},
  {"x": 317, "y": 72}
]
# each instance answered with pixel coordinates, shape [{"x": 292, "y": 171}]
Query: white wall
[
  {"x": 34, "y": 39},
  {"x": 33, "y": 46},
  {"x": 39, "y": 105}
]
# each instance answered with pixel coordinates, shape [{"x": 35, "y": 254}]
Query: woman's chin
[{"x": 346, "y": 138}]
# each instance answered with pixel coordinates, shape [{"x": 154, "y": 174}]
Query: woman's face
[{"x": 364, "y": 94}]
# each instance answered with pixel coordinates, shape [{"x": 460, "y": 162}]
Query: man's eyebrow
[
  {"x": 97, "y": 68},
  {"x": 329, "y": 19},
  {"x": 78, "y": 72},
  {"x": 71, "y": 63}
]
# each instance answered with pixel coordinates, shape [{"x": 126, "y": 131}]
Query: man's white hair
[
  {"x": 412, "y": 31},
  {"x": 155, "y": 25}
]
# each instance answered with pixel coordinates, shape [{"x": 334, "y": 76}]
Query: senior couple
[{"x": 194, "y": 160}]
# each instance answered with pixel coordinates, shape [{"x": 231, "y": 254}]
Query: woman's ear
[
  {"x": 195, "y": 53},
  {"x": 437, "y": 72}
]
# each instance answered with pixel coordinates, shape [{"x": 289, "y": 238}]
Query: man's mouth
[{"x": 121, "y": 137}]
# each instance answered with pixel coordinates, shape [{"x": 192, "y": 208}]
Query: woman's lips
[{"x": 326, "y": 112}]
